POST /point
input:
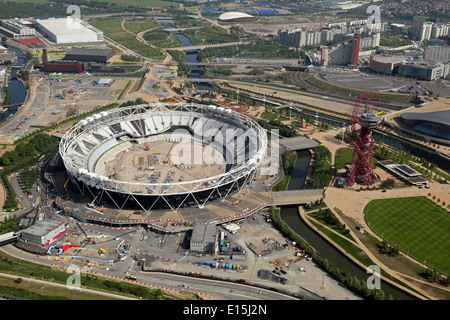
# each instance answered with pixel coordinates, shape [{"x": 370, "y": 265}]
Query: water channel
[
  {"x": 291, "y": 217},
  {"x": 15, "y": 87},
  {"x": 191, "y": 56}
]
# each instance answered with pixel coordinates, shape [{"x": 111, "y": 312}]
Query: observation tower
[{"x": 361, "y": 170}]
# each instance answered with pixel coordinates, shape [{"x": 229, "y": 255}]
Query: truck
[{"x": 131, "y": 276}]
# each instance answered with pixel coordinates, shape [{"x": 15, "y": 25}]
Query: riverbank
[{"x": 376, "y": 262}]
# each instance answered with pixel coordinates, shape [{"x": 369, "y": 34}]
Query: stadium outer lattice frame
[{"x": 85, "y": 142}]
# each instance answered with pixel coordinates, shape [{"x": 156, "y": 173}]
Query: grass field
[
  {"x": 140, "y": 3},
  {"x": 344, "y": 157},
  {"x": 419, "y": 227},
  {"x": 112, "y": 28}
]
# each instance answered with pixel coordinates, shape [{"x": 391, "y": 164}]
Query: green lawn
[
  {"x": 269, "y": 116},
  {"x": 419, "y": 227},
  {"x": 344, "y": 157},
  {"x": 138, "y": 26},
  {"x": 112, "y": 28},
  {"x": 140, "y": 3}
]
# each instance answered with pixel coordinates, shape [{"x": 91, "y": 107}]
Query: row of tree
[
  {"x": 11, "y": 9},
  {"x": 320, "y": 169},
  {"x": 27, "y": 150},
  {"x": 359, "y": 286}
]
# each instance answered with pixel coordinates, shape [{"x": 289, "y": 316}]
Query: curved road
[
  {"x": 81, "y": 289},
  {"x": 216, "y": 289}
]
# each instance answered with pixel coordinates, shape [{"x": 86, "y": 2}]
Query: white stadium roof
[{"x": 234, "y": 15}]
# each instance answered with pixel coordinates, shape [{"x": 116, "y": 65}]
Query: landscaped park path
[{"x": 352, "y": 202}]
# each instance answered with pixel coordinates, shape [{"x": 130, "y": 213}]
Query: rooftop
[
  {"x": 43, "y": 227},
  {"x": 440, "y": 117},
  {"x": 234, "y": 15},
  {"x": 91, "y": 51},
  {"x": 204, "y": 233},
  {"x": 64, "y": 26}
]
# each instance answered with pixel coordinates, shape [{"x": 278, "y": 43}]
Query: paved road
[
  {"x": 214, "y": 288},
  {"x": 222, "y": 289},
  {"x": 205, "y": 46},
  {"x": 81, "y": 289}
]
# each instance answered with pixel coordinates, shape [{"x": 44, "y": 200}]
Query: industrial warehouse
[
  {"x": 56, "y": 30},
  {"x": 100, "y": 55},
  {"x": 68, "y": 30}
]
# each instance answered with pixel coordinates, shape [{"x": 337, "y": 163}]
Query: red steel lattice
[{"x": 362, "y": 166}]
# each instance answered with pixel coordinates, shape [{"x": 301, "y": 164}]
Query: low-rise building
[
  {"x": 43, "y": 232},
  {"x": 204, "y": 239},
  {"x": 18, "y": 28},
  {"x": 437, "y": 53},
  {"x": 424, "y": 70},
  {"x": 386, "y": 64}
]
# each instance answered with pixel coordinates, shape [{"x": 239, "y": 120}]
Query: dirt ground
[{"x": 135, "y": 163}]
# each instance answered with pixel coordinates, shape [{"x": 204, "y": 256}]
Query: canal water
[
  {"x": 291, "y": 217},
  {"x": 15, "y": 87},
  {"x": 191, "y": 56},
  {"x": 300, "y": 170}
]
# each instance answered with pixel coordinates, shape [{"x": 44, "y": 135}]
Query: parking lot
[
  {"x": 54, "y": 98},
  {"x": 383, "y": 83}
]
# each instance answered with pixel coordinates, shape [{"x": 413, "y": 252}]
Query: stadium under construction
[{"x": 163, "y": 156}]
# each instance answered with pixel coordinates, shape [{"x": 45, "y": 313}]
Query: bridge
[
  {"x": 296, "y": 197},
  {"x": 253, "y": 63},
  {"x": 13, "y": 105},
  {"x": 181, "y": 29},
  {"x": 299, "y": 143},
  {"x": 7, "y": 238},
  {"x": 203, "y": 46}
]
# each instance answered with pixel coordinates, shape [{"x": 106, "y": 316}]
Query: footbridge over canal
[
  {"x": 296, "y": 197},
  {"x": 8, "y": 237}
]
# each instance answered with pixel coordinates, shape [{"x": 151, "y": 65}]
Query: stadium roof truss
[{"x": 85, "y": 142}]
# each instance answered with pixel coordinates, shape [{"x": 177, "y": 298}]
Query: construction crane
[{"x": 66, "y": 189}]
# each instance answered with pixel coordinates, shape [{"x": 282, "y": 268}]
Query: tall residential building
[
  {"x": 334, "y": 32},
  {"x": 343, "y": 53},
  {"x": 428, "y": 30},
  {"x": 439, "y": 30}
]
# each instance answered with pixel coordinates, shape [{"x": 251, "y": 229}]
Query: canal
[
  {"x": 292, "y": 219},
  {"x": 15, "y": 87},
  {"x": 191, "y": 56}
]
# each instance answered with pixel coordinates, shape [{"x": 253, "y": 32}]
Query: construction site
[{"x": 159, "y": 161}]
